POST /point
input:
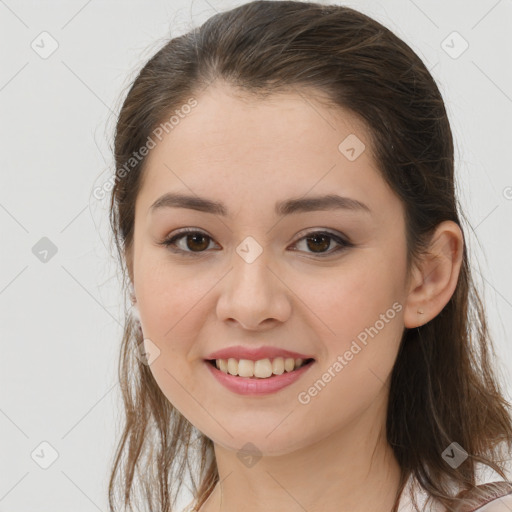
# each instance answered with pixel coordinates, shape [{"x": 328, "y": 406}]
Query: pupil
[
  {"x": 316, "y": 237},
  {"x": 204, "y": 246}
]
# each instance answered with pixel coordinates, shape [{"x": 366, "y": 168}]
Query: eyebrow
[{"x": 287, "y": 207}]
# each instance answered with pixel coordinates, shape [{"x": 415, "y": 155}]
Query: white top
[
  {"x": 499, "y": 505},
  {"x": 503, "y": 504}
]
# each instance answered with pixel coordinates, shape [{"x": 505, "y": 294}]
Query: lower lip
[{"x": 250, "y": 386}]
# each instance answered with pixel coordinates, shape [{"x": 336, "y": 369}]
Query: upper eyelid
[{"x": 300, "y": 234}]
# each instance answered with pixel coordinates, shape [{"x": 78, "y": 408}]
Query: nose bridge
[
  {"x": 252, "y": 281},
  {"x": 251, "y": 268},
  {"x": 252, "y": 293}
]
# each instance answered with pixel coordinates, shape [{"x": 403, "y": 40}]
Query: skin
[{"x": 330, "y": 454}]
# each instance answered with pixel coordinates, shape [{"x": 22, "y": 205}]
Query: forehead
[
  {"x": 282, "y": 146},
  {"x": 286, "y": 122}
]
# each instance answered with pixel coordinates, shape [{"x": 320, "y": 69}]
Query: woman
[{"x": 305, "y": 320}]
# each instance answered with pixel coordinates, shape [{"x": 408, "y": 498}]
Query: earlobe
[
  {"x": 134, "y": 309},
  {"x": 435, "y": 277}
]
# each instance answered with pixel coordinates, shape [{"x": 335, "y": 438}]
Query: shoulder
[
  {"x": 503, "y": 504},
  {"x": 492, "y": 497}
]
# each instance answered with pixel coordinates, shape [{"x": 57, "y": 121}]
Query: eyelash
[{"x": 170, "y": 242}]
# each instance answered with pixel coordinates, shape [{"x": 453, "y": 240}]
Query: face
[{"x": 328, "y": 282}]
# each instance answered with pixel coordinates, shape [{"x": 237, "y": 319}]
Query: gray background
[{"x": 61, "y": 317}]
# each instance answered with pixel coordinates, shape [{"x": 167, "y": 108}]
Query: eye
[
  {"x": 192, "y": 239},
  {"x": 317, "y": 241},
  {"x": 187, "y": 240}
]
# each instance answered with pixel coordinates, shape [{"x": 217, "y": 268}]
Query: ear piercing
[{"x": 420, "y": 311}]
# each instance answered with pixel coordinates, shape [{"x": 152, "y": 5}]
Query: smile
[{"x": 249, "y": 383}]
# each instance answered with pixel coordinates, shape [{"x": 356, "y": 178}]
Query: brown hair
[{"x": 443, "y": 386}]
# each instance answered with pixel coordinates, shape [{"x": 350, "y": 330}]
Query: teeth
[
  {"x": 278, "y": 366},
  {"x": 262, "y": 369}
]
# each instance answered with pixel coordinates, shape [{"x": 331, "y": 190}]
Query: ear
[{"x": 435, "y": 277}]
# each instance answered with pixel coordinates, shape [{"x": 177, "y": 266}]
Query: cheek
[
  {"x": 358, "y": 310},
  {"x": 174, "y": 306},
  {"x": 353, "y": 297},
  {"x": 173, "y": 313},
  {"x": 362, "y": 309},
  {"x": 166, "y": 291}
]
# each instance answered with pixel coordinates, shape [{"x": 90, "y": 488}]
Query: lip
[
  {"x": 256, "y": 386},
  {"x": 254, "y": 354}
]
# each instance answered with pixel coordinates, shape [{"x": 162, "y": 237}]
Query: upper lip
[{"x": 254, "y": 354}]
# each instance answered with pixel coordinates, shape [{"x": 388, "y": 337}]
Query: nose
[{"x": 253, "y": 295}]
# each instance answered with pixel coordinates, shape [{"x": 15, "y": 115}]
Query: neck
[{"x": 351, "y": 470}]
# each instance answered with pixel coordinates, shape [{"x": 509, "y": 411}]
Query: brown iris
[
  {"x": 318, "y": 237},
  {"x": 197, "y": 237}
]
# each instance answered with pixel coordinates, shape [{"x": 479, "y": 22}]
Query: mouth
[{"x": 260, "y": 369}]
